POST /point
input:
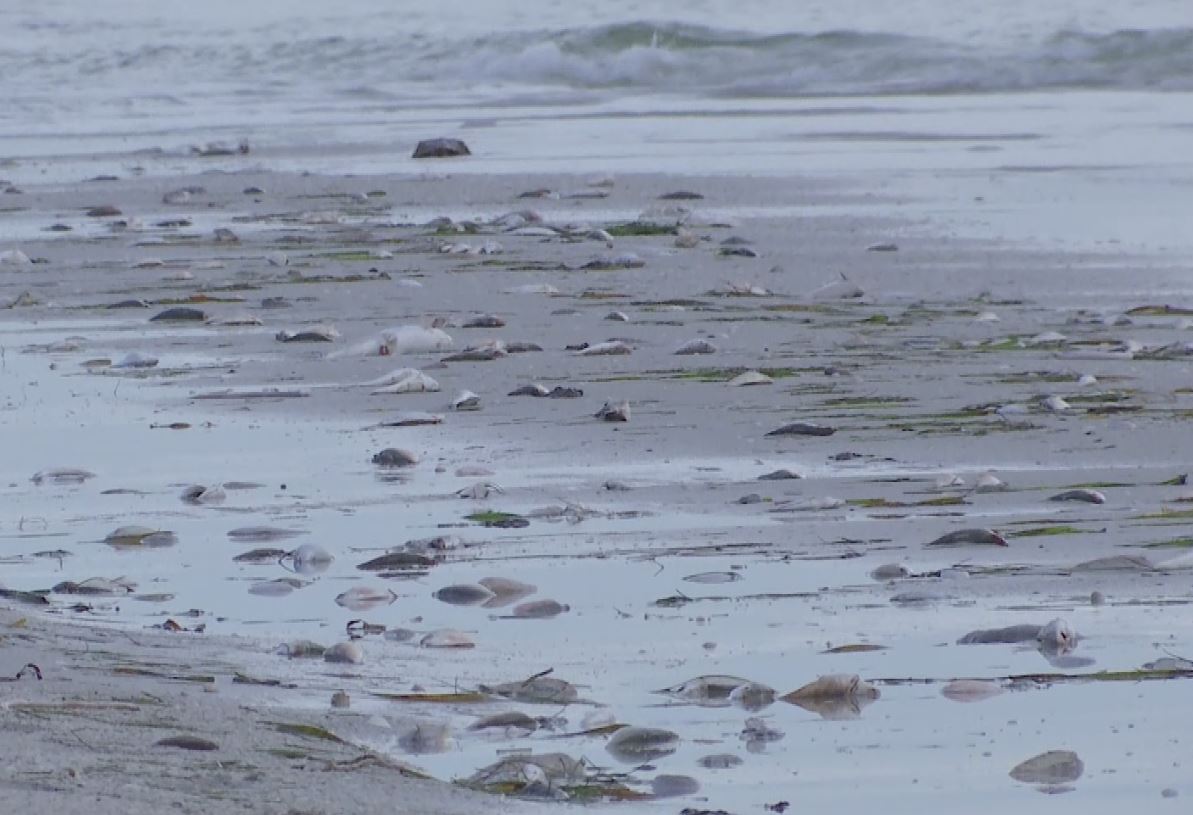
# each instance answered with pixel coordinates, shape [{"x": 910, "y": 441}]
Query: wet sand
[{"x": 930, "y": 357}]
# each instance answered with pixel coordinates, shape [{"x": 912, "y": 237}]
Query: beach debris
[
  {"x": 510, "y": 720},
  {"x": 62, "y": 475},
  {"x": 1010, "y": 634},
  {"x": 970, "y": 537},
  {"x": 261, "y": 534},
  {"x": 485, "y": 352},
  {"x": 610, "y": 412},
  {"x": 537, "y": 689},
  {"x": 834, "y": 696},
  {"x": 717, "y": 690},
  {"x": 803, "y": 429},
  {"x": 605, "y": 349},
  {"x": 673, "y": 786},
  {"x": 135, "y": 359},
  {"x": 483, "y": 321},
  {"x": 970, "y": 690},
  {"x": 441, "y": 148},
  {"x": 738, "y": 251},
  {"x": 1052, "y": 767},
  {"x": 882, "y": 247},
  {"x": 104, "y": 211},
  {"x": 539, "y": 610},
  {"x": 204, "y": 494},
  {"x": 395, "y": 457},
  {"x": 344, "y": 653},
  {"x": 636, "y": 745},
  {"x": 533, "y": 288},
  {"x": 447, "y": 638},
  {"x": 466, "y": 400},
  {"x": 140, "y": 536},
  {"x": 341, "y": 700},
  {"x": 464, "y": 594},
  {"x": 757, "y": 733},
  {"x": 179, "y": 314},
  {"x": 1088, "y": 496},
  {"x": 713, "y": 578},
  {"x": 363, "y": 598},
  {"x": 617, "y": 317},
  {"x": 1055, "y": 404},
  {"x": 187, "y": 743},
  {"x": 696, "y": 347},
  {"x": 318, "y": 333},
  {"x": 530, "y": 775}
]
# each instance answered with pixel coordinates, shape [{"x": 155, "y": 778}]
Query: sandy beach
[{"x": 925, "y": 383}]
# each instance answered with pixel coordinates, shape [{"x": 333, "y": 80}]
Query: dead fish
[
  {"x": 301, "y": 649},
  {"x": 803, "y": 429},
  {"x": 625, "y": 260},
  {"x": 635, "y": 745},
  {"x": 447, "y": 638},
  {"x": 260, "y": 534},
  {"x": 62, "y": 475},
  {"x": 395, "y": 457},
  {"x": 713, "y": 577},
  {"x": 466, "y": 400},
  {"x": 517, "y": 769},
  {"x": 397, "y": 560},
  {"x": 1088, "y": 496},
  {"x": 140, "y": 536},
  {"x": 715, "y": 690},
  {"x": 989, "y": 482},
  {"x": 536, "y": 390},
  {"x": 441, "y": 148},
  {"x": 1057, "y": 637},
  {"x": 779, "y": 475},
  {"x": 479, "y": 491},
  {"x": 614, "y": 413},
  {"x": 278, "y": 587},
  {"x": 609, "y": 348},
  {"x": 404, "y": 380},
  {"x": 200, "y": 494},
  {"x": 1116, "y": 563},
  {"x": 673, "y": 786},
  {"x": 486, "y": 353},
  {"x": 1169, "y": 664},
  {"x": 323, "y": 333},
  {"x": 970, "y": 690},
  {"x": 696, "y": 347},
  {"x": 1052, "y": 767},
  {"x": 464, "y": 594},
  {"x": 505, "y": 721},
  {"x": 890, "y": 571},
  {"x": 363, "y": 598},
  {"x": 179, "y": 314},
  {"x": 1055, "y": 404},
  {"x": 260, "y": 556},
  {"x": 1009, "y": 634},
  {"x": 135, "y": 360},
  {"x": 719, "y": 761},
  {"x": 617, "y": 317},
  {"x": 187, "y": 743},
  {"x": 505, "y": 590},
  {"x": 535, "y": 690},
  {"x": 483, "y": 321},
  {"x": 970, "y": 537},
  {"x": 309, "y": 558},
  {"x": 411, "y": 419},
  {"x": 539, "y": 610},
  {"x": 738, "y": 251},
  {"x": 97, "y": 586},
  {"x": 834, "y": 696},
  {"x": 345, "y": 653}
]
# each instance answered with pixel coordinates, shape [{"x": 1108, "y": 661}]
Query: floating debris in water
[{"x": 62, "y": 475}]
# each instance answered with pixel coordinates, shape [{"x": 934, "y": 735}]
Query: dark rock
[{"x": 441, "y": 148}]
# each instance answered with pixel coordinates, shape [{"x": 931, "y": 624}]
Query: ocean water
[{"x": 1059, "y": 118}]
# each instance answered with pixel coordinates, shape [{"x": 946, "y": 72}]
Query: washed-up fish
[{"x": 970, "y": 537}]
